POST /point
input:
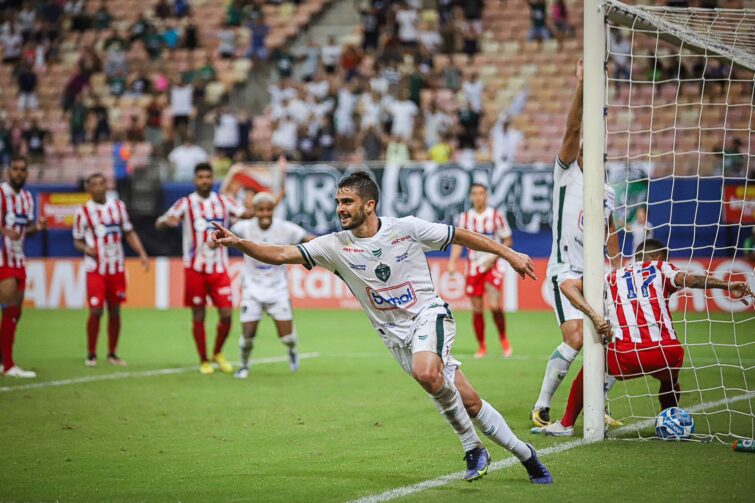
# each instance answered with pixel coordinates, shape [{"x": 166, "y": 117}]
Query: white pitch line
[
  {"x": 145, "y": 373},
  {"x": 401, "y": 492}
]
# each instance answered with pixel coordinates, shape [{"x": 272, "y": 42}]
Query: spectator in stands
[
  {"x": 77, "y": 82},
  {"x": 344, "y": 116},
  {"x": 27, "y": 88},
  {"x": 134, "y": 130},
  {"x": 117, "y": 84},
  {"x": 171, "y": 35},
  {"x": 153, "y": 43},
  {"x": 27, "y": 18},
  {"x": 35, "y": 140},
  {"x": 226, "y": 136},
  {"x": 504, "y": 141},
  {"x": 429, "y": 37},
  {"x": 734, "y": 160},
  {"x": 102, "y": 17},
  {"x": 403, "y": 113},
  {"x": 450, "y": 77},
  {"x": 473, "y": 15},
  {"x": 560, "y": 14},
  {"x": 122, "y": 167},
  {"x": 163, "y": 9},
  {"x": 181, "y": 106},
  {"x": 326, "y": 139},
  {"x": 6, "y": 144},
  {"x": 349, "y": 62},
  {"x": 245, "y": 131},
  {"x": 473, "y": 88},
  {"x": 115, "y": 55},
  {"x": 406, "y": 19},
  {"x": 310, "y": 54},
  {"x": 227, "y": 42},
  {"x": 154, "y": 112},
  {"x": 284, "y": 62},
  {"x": 436, "y": 124},
  {"x": 285, "y": 135},
  {"x": 397, "y": 152},
  {"x": 370, "y": 140},
  {"x": 716, "y": 73},
  {"x": 77, "y": 116},
  {"x": 234, "y": 13},
  {"x": 98, "y": 121},
  {"x": 370, "y": 26},
  {"x": 443, "y": 150},
  {"x": 470, "y": 45},
  {"x": 138, "y": 28},
  {"x": 468, "y": 128},
  {"x": 539, "y": 21},
  {"x": 12, "y": 42},
  {"x": 331, "y": 54},
  {"x": 190, "y": 38},
  {"x": 258, "y": 31},
  {"x": 181, "y": 8},
  {"x": 139, "y": 84},
  {"x": 620, "y": 51},
  {"x": 185, "y": 157}
]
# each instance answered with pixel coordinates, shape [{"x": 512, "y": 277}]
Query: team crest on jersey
[
  {"x": 100, "y": 230},
  {"x": 377, "y": 253},
  {"x": 200, "y": 225},
  {"x": 383, "y": 272}
]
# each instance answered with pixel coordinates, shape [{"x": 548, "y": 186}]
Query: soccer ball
[{"x": 674, "y": 424}]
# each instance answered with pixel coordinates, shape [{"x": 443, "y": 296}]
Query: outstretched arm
[
  {"x": 269, "y": 254},
  {"x": 454, "y": 256},
  {"x": 737, "y": 289},
  {"x": 521, "y": 263},
  {"x": 572, "y": 289},
  {"x": 570, "y": 145}
]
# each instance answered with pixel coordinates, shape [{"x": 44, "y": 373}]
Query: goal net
[{"x": 679, "y": 153}]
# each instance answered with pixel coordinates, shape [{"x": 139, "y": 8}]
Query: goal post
[
  {"x": 593, "y": 133},
  {"x": 668, "y": 121}
]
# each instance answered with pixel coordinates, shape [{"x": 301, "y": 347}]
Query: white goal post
[{"x": 667, "y": 117}]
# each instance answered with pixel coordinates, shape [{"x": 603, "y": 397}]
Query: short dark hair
[
  {"x": 202, "y": 166},
  {"x": 651, "y": 247},
  {"x": 363, "y": 184},
  {"x": 19, "y": 157},
  {"x": 481, "y": 185},
  {"x": 91, "y": 177}
]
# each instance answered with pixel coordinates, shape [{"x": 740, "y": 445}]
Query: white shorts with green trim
[
  {"x": 564, "y": 309},
  {"x": 277, "y": 305},
  {"x": 434, "y": 331}
]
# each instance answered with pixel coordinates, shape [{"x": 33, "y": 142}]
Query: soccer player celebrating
[
  {"x": 266, "y": 286},
  {"x": 566, "y": 261},
  {"x": 99, "y": 228},
  {"x": 382, "y": 260},
  {"x": 16, "y": 223},
  {"x": 485, "y": 271},
  {"x": 205, "y": 264},
  {"x": 643, "y": 339}
]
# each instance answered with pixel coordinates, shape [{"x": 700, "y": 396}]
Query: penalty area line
[
  {"x": 145, "y": 373},
  {"x": 443, "y": 480}
]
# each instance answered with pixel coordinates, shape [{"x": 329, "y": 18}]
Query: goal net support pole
[{"x": 593, "y": 132}]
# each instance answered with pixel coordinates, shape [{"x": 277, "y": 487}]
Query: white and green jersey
[
  {"x": 387, "y": 273},
  {"x": 568, "y": 218}
]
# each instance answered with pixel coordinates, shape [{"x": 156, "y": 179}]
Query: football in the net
[{"x": 674, "y": 424}]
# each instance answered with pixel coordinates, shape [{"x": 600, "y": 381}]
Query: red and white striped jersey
[
  {"x": 16, "y": 212},
  {"x": 197, "y": 214},
  {"x": 637, "y": 301},
  {"x": 492, "y": 223},
  {"x": 102, "y": 226}
]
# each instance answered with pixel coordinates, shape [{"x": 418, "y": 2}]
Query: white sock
[
  {"x": 610, "y": 381},
  {"x": 448, "y": 402},
  {"x": 557, "y": 368},
  {"x": 245, "y": 345},
  {"x": 289, "y": 341},
  {"x": 492, "y": 424}
]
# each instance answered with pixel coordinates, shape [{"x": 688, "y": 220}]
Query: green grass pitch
[{"x": 349, "y": 424}]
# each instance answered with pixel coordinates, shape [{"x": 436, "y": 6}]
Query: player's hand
[
  {"x": 11, "y": 234},
  {"x": 171, "y": 221},
  {"x": 522, "y": 264},
  {"x": 89, "y": 252},
  {"x": 224, "y": 237},
  {"x": 580, "y": 70},
  {"x": 740, "y": 290},
  {"x": 144, "y": 261},
  {"x": 602, "y": 327}
]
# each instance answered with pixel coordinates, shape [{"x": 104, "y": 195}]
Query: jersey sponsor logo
[
  {"x": 202, "y": 224},
  {"x": 377, "y": 253},
  {"x": 402, "y": 257},
  {"x": 383, "y": 272},
  {"x": 348, "y": 249},
  {"x": 357, "y": 267},
  {"x": 393, "y": 297},
  {"x": 399, "y": 240}
]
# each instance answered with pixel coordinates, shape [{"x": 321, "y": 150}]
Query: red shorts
[
  {"x": 661, "y": 360},
  {"x": 476, "y": 284},
  {"x": 14, "y": 272},
  {"x": 110, "y": 288},
  {"x": 198, "y": 286}
]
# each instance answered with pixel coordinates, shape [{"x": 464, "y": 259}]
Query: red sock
[
  {"x": 223, "y": 329},
  {"x": 93, "y": 330},
  {"x": 11, "y": 314},
  {"x": 575, "y": 403},
  {"x": 113, "y": 332},
  {"x": 200, "y": 340},
  {"x": 500, "y": 323},
  {"x": 478, "y": 321}
]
